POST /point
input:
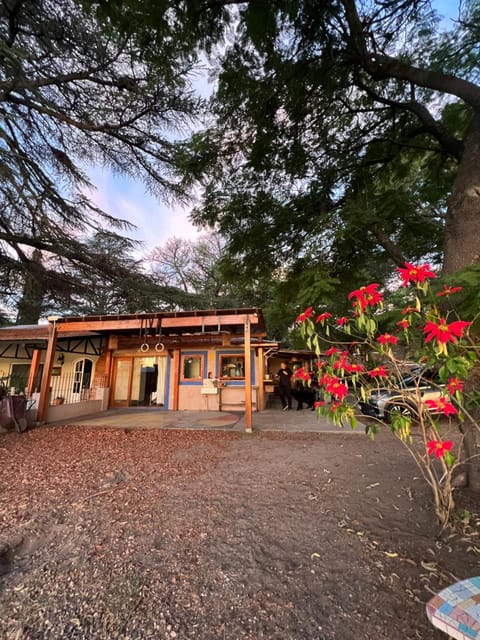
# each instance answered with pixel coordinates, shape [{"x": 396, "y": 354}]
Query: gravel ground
[{"x": 112, "y": 534}]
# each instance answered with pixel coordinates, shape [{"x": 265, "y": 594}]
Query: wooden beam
[
  {"x": 176, "y": 378},
  {"x": 260, "y": 378},
  {"x": 98, "y": 325},
  {"x": 32, "y": 374},
  {"x": 108, "y": 370},
  {"x": 23, "y": 334},
  {"x": 47, "y": 370},
  {"x": 186, "y": 322},
  {"x": 248, "y": 376},
  {"x": 207, "y": 321}
]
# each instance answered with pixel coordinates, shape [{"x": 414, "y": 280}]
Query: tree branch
[
  {"x": 382, "y": 67},
  {"x": 452, "y": 145}
]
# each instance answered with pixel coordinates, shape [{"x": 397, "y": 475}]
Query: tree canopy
[
  {"x": 342, "y": 135},
  {"x": 76, "y": 91},
  {"x": 346, "y": 135}
]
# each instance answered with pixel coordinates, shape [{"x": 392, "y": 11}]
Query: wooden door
[{"x": 122, "y": 381}]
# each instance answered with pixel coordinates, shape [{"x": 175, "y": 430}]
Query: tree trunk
[
  {"x": 471, "y": 432},
  {"x": 462, "y": 249},
  {"x": 30, "y": 305},
  {"x": 462, "y": 229}
]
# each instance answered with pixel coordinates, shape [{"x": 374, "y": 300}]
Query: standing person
[{"x": 285, "y": 386}]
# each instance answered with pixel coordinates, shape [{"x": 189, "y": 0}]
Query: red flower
[
  {"x": 326, "y": 379},
  {"x": 409, "y": 310},
  {"x": 412, "y": 273},
  {"x": 366, "y": 296},
  {"x": 447, "y": 291},
  {"x": 403, "y": 324},
  {"x": 308, "y": 313},
  {"x": 318, "y": 403},
  {"x": 378, "y": 372},
  {"x": 340, "y": 364},
  {"x": 442, "y": 406},
  {"x": 454, "y": 384},
  {"x": 443, "y": 332},
  {"x": 336, "y": 388},
  {"x": 343, "y": 320},
  {"x": 354, "y": 368},
  {"x": 323, "y": 316},
  {"x": 438, "y": 447},
  {"x": 386, "y": 338},
  {"x": 331, "y": 351},
  {"x": 301, "y": 374}
]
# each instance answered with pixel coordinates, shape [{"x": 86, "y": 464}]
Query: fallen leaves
[{"x": 205, "y": 534}]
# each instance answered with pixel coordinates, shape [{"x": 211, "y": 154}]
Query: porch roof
[
  {"x": 34, "y": 333},
  {"x": 24, "y": 332},
  {"x": 168, "y": 323},
  {"x": 174, "y": 323}
]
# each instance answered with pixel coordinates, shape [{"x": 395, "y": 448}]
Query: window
[
  {"x": 19, "y": 378},
  {"x": 232, "y": 366},
  {"x": 82, "y": 375},
  {"x": 192, "y": 367}
]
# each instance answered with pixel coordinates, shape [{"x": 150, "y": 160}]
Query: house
[{"x": 189, "y": 360}]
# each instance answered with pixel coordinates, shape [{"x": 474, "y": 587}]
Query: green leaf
[{"x": 449, "y": 459}]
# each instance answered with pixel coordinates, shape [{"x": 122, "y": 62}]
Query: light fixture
[{"x": 61, "y": 358}]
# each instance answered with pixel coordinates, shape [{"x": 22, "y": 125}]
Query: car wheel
[{"x": 402, "y": 408}]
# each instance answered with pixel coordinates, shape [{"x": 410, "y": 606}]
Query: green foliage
[
  {"x": 122, "y": 287},
  {"x": 337, "y": 128},
  {"x": 77, "y": 91},
  {"x": 375, "y": 362},
  {"x": 468, "y": 300}
]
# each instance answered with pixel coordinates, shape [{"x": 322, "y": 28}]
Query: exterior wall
[
  {"x": 190, "y": 390},
  {"x": 62, "y": 379},
  {"x": 16, "y": 355},
  {"x": 182, "y": 391},
  {"x": 230, "y": 395},
  {"x": 63, "y": 412},
  {"x": 191, "y": 398},
  {"x": 63, "y": 385}
]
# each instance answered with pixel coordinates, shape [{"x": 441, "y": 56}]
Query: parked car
[{"x": 403, "y": 396}]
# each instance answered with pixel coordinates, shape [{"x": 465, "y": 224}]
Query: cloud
[{"x": 154, "y": 221}]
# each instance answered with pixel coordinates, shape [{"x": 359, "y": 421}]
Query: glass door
[
  {"x": 144, "y": 381},
  {"x": 82, "y": 378},
  {"x": 139, "y": 381},
  {"x": 122, "y": 381}
]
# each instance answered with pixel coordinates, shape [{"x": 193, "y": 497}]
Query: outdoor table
[{"x": 456, "y": 610}]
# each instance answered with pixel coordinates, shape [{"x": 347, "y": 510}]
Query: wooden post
[
  {"x": 176, "y": 378},
  {"x": 248, "y": 377},
  {"x": 108, "y": 376},
  {"x": 260, "y": 378},
  {"x": 32, "y": 374},
  {"x": 47, "y": 370}
]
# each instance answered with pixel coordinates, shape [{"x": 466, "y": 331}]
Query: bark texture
[
  {"x": 462, "y": 232},
  {"x": 471, "y": 432}
]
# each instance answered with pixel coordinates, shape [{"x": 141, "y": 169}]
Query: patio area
[{"x": 153, "y": 418}]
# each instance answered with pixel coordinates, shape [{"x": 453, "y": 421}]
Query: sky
[
  {"x": 124, "y": 198},
  {"x": 156, "y": 221}
]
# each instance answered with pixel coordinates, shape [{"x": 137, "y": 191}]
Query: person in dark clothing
[
  {"x": 303, "y": 388},
  {"x": 304, "y": 395},
  {"x": 285, "y": 386}
]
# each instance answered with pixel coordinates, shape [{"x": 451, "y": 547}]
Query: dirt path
[{"x": 209, "y": 535}]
